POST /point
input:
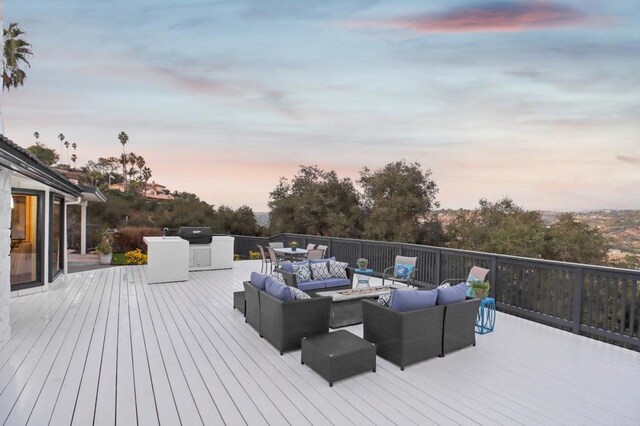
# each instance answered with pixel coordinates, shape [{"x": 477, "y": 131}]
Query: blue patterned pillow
[
  {"x": 338, "y": 269},
  {"x": 319, "y": 271},
  {"x": 403, "y": 271},
  {"x": 303, "y": 273},
  {"x": 278, "y": 277},
  {"x": 384, "y": 299},
  {"x": 299, "y": 294}
]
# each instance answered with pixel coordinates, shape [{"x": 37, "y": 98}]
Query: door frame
[{"x": 40, "y": 229}]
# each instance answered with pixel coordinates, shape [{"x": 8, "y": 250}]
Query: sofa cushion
[
  {"x": 338, "y": 269},
  {"x": 279, "y": 290},
  {"x": 336, "y": 282},
  {"x": 311, "y": 285},
  {"x": 258, "y": 280},
  {"x": 411, "y": 300},
  {"x": 303, "y": 273},
  {"x": 454, "y": 294},
  {"x": 384, "y": 299},
  {"x": 288, "y": 266},
  {"x": 299, "y": 294},
  {"x": 319, "y": 271}
]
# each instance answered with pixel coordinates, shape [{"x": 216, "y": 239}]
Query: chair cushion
[
  {"x": 279, "y": 290},
  {"x": 403, "y": 271},
  {"x": 411, "y": 300},
  {"x": 455, "y": 294},
  {"x": 338, "y": 269},
  {"x": 320, "y": 271},
  {"x": 299, "y": 294},
  {"x": 311, "y": 285},
  {"x": 336, "y": 282},
  {"x": 303, "y": 273},
  {"x": 258, "y": 280}
]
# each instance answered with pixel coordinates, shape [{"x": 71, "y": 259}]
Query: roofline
[{"x": 21, "y": 161}]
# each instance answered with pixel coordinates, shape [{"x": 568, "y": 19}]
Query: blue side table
[
  {"x": 486, "y": 320},
  {"x": 363, "y": 276}
]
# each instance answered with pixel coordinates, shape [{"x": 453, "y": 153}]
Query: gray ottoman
[{"x": 338, "y": 355}]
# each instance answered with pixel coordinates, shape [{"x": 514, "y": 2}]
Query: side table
[
  {"x": 363, "y": 276},
  {"x": 486, "y": 319}
]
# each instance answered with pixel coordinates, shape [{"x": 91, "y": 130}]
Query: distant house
[
  {"x": 152, "y": 190},
  {"x": 33, "y": 220}
]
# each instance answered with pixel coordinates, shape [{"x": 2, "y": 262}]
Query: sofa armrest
[
  {"x": 289, "y": 278},
  {"x": 459, "y": 325}
]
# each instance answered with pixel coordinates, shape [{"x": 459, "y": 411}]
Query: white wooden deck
[{"x": 105, "y": 347}]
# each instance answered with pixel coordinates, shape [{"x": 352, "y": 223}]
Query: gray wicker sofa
[
  {"x": 284, "y": 324},
  {"x": 318, "y": 285},
  {"x": 408, "y": 337}
]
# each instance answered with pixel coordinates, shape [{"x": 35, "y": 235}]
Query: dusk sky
[{"x": 535, "y": 100}]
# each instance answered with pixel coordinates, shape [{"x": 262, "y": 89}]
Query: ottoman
[
  {"x": 238, "y": 301},
  {"x": 338, "y": 355}
]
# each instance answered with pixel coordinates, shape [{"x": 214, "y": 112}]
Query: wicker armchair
[
  {"x": 389, "y": 273},
  {"x": 284, "y": 324},
  {"x": 476, "y": 271},
  {"x": 403, "y": 337},
  {"x": 252, "y": 306},
  {"x": 459, "y": 325}
]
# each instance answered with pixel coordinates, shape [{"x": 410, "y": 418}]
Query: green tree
[
  {"x": 500, "y": 227},
  {"x": 47, "y": 155},
  {"x": 74, "y": 158},
  {"x": 15, "y": 56},
  {"x": 66, "y": 145},
  {"x": 61, "y": 137},
  {"x": 570, "y": 240},
  {"x": 315, "y": 202},
  {"x": 398, "y": 199}
]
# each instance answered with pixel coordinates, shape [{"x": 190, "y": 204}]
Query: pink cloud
[{"x": 488, "y": 17}]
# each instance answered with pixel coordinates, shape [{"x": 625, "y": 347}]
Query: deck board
[{"x": 105, "y": 347}]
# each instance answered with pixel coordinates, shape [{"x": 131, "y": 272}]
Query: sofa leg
[
  {"x": 281, "y": 353},
  {"x": 402, "y": 368}
]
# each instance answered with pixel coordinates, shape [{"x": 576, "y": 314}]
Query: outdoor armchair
[
  {"x": 267, "y": 265},
  {"x": 315, "y": 254},
  {"x": 284, "y": 324},
  {"x": 475, "y": 272},
  {"x": 392, "y": 272},
  {"x": 276, "y": 244},
  {"x": 403, "y": 338},
  {"x": 323, "y": 248},
  {"x": 311, "y": 246}
]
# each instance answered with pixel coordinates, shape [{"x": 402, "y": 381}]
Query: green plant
[
  {"x": 362, "y": 263},
  {"x": 254, "y": 255},
  {"x": 480, "y": 288},
  {"x": 236, "y": 257},
  {"x": 104, "y": 247},
  {"x": 293, "y": 244}
]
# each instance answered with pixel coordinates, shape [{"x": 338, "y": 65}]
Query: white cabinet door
[
  {"x": 203, "y": 258},
  {"x": 192, "y": 258}
]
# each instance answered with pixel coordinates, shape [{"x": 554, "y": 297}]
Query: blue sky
[{"x": 536, "y": 100}]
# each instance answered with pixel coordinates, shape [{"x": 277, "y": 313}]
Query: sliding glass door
[
  {"x": 56, "y": 242},
  {"x": 27, "y": 224}
]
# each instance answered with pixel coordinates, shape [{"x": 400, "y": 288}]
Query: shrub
[
  {"x": 136, "y": 257},
  {"x": 254, "y": 255},
  {"x": 130, "y": 238},
  {"x": 236, "y": 257}
]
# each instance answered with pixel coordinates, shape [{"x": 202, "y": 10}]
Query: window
[
  {"x": 26, "y": 239},
  {"x": 56, "y": 240}
]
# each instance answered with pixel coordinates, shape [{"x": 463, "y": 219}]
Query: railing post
[
  {"x": 577, "y": 301},
  {"x": 438, "y": 273},
  {"x": 493, "y": 274}
]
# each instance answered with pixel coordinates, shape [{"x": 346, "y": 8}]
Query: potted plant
[
  {"x": 362, "y": 263},
  {"x": 105, "y": 248},
  {"x": 480, "y": 288},
  {"x": 293, "y": 245}
]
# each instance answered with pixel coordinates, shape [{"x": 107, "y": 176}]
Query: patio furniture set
[
  {"x": 276, "y": 253},
  {"x": 402, "y": 325}
]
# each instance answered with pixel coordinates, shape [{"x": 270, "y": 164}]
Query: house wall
[{"x": 5, "y": 247}]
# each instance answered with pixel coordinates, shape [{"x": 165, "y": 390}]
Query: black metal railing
[{"x": 594, "y": 301}]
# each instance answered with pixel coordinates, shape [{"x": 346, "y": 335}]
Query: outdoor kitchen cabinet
[
  {"x": 218, "y": 254},
  {"x": 168, "y": 259}
]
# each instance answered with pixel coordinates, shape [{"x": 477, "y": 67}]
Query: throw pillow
[
  {"x": 384, "y": 299},
  {"x": 319, "y": 271},
  {"x": 303, "y": 273},
  {"x": 299, "y": 294},
  {"x": 338, "y": 269},
  {"x": 288, "y": 266},
  {"x": 279, "y": 290},
  {"x": 445, "y": 285},
  {"x": 403, "y": 271},
  {"x": 278, "y": 277},
  {"x": 410, "y": 300},
  {"x": 258, "y": 280},
  {"x": 455, "y": 294}
]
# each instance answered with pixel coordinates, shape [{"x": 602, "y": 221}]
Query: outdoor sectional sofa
[
  {"x": 408, "y": 337},
  {"x": 314, "y": 285},
  {"x": 284, "y": 324}
]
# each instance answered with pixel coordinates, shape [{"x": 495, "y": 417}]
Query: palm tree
[
  {"x": 66, "y": 144},
  {"x": 61, "y": 137},
  {"x": 124, "y": 138},
  {"x": 74, "y": 146},
  {"x": 74, "y": 157},
  {"x": 16, "y": 52},
  {"x": 37, "y": 136}
]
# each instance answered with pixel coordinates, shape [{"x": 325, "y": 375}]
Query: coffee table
[{"x": 346, "y": 308}]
